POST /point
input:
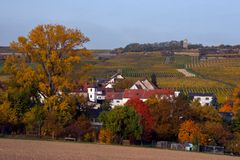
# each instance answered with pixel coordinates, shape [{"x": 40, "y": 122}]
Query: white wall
[
  {"x": 203, "y": 100},
  {"x": 92, "y": 94}
]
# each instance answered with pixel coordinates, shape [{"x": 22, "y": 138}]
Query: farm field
[
  {"x": 218, "y": 76},
  {"x": 46, "y": 150}
]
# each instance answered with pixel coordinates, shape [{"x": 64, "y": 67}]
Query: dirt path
[
  {"x": 44, "y": 150},
  {"x": 186, "y": 73}
]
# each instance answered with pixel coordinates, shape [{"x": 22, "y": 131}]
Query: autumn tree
[
  {"x": 122, "y": 122},
  {"x": 8, "y": 116},
  {"x": 22, "y": 86},
  {"x": 168, "y": 115},
  {"x": 33, "y": 120},
  {"x": 204, "y": 113},
  {"x": 42, "y": 72},
  {"x": 236, "y": 123},
  {"x": 233, "y": 145},
  {"x": 81, "y": 104},
  {"x": 227, "y": 107},
  {"x": 79, "y": 128},
  {"x": 59, "y": 112},
  {"x": 152, "y": 101},
  {"x": 53, "y": 49},
  {"x": 215, "y": 133},
  {"x": 3, "y": 95},
  {"x": 190, "y": 132},
  {"x": 105, "y": 136},
  {"x": 146, "y": 118}
]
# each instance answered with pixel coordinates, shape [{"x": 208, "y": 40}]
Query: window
[
  {"x": 90, "y": 96},
  {"x": 91, "y": 89},
  {"x": 207, "y": 98},
  {"x": 118, "y": 101}
]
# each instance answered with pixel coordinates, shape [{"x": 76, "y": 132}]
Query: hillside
[{"x": 217, "y": 76}]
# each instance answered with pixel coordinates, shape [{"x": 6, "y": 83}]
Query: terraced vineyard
[
  {"x": 131, "y": 72},
  {"x": 223, "y": 70},
  {"x": 138, "y": 65}
]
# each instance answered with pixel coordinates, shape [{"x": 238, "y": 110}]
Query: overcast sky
[{"x": 115, "y": 23}]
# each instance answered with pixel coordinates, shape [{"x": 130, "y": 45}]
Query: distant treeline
[
  {"x": 150, "y": 47},
  {"x": 219, "y": 50},
  {"x": 6, "y": 49},
  {"x": 178, "y": 46}
]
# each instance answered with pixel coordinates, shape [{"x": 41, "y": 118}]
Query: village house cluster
[{"x": 143, "y": 89}]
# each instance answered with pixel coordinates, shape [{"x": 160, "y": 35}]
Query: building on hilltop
[{"x": 185, "y": 43}]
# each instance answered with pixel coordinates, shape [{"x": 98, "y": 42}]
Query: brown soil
[{"x": 45, "y": 150}]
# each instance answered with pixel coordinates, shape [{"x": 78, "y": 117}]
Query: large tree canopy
[
  {"x": 52, "y": 49},
  {"x": 42, "y": 73},
  {"x": 123, "y": 122}
]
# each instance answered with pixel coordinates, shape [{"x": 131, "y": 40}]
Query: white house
[
  {"x": 98, "y": 95},
  {"x": 203, "y": 98},
  {"x": 110, "y": 83},
  {"x": 143, "y": 84}
]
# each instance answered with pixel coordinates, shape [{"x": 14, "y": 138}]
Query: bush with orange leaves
[
  {"x": 190, "y": 132},
  {"x": 227, "y": 107},
  {"x": 105, "y": 136}
]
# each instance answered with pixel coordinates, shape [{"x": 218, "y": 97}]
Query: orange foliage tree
[
  {"x": 227, "y": 107},
  {"x": 190, "y": 132}
]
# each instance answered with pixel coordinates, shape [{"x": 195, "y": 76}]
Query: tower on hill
[{"x": 185, "y": 43}]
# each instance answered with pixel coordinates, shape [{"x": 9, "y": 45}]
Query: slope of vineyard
[
  {"x": 141, "y": 65},
  {"x": 223, "y": 70}
]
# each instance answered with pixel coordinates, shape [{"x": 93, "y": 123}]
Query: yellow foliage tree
[
  {"x": 105, "y": 136},
  {"x": 33, "y": 120},
  {"x": 53, "y": 49},
  {"x": 190, "y": 132},
  {"x": 7, "y": 114},
  {"x": 59, "y": 112},
  {"x": 46, "y": 62}
]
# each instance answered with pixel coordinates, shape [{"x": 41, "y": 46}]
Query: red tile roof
[
  {"x": 114, "y": 95},
  {"x": 138, "y": 93},
  {"x": 145, "y": 94}
]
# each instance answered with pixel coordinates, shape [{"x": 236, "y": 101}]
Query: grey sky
[{"x": 115, "y": 23}]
